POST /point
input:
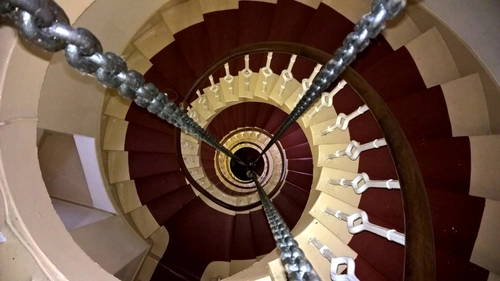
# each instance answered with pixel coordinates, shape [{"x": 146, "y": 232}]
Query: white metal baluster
[
  {"x": 267, "y": 71},
  {"x": 214, "y": 88},
  {"x": 365, "y": 224},
  {"x": 327, "y": 98},
  {"x": 287, "y": 75},
  {"x": 343, "y": 120},
  {"x": 229, "y": 78},
  {"x": 354, "y": 149},
  {"x": 347, "y": 261},
  {"x": 306, "y": 83},
  {"x": 247, "y": 73},
  {"x": 362, "y": 182},
  {"x": 202, "y": 99},
  {"x": 324, "y": 250},
  {"x": 336, "y": 262}
]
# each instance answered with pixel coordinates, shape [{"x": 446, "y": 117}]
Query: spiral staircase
[
  {"x": 443, "y": 115},
  {"x": 174, "y": 191}
]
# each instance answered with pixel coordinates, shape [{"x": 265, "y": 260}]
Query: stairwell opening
[{"x": 248, "y": 155}]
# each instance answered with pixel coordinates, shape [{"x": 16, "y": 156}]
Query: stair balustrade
[
  {"x": 362, "y": 182},
  {"x": 336, "y": 262},
  {"x": 364, "y": 224},
  {"x": 354, "y": 149}
]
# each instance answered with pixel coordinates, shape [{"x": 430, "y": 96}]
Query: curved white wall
[{"x": 477, "y": 23}]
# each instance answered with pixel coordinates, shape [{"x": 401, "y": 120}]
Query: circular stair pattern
[{"x": 443, "y": 115}]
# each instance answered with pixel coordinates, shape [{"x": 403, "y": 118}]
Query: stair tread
[
  {"x": 164, "y": 207},
  {"x": 220, "y": 29},
  {"x": 456, "y": 217},
  {"x": 262, "y": 233},
  {"x": 143, "y": 164},
  {"x": 289, "y": 210},
  {"x": 206, "y": 238},
  {"x": 142, "y": 139},
  {"x": 152, "y": 187},
  {"x": 242, "y": 247},
  {"x": 304, "y": 165},
  {"x": 141, "y": 116},
  {"x": 395, "y": 76},
  {"x": 181, "y": 77}
]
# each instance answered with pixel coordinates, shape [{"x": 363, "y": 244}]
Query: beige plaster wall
[
  {"x": 474, "y": 31},
  {"x": 62, "y": 169},
  {"x": 80, "y": 98},
  {"x": 111, "y": 251}
]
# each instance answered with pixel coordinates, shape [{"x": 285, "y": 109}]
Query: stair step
[
  {"x": 185, "y": 239},
  {"x": 345, "y": 194},
  {"x": 300, "y": 179},
  {"x": 220, "y": 18},
  {"x": 295, "y": 136},
  {"x": 138, "y": 62},
  {"x": 433, "y": 59},
  {"x": 395, "y": 76},
  {"x": 115, "y": 136},
  {"x": 372, "y": 247},
  {"x": 288, "y": 209},
  {"x": 160, "y": 238},
  {"x": 117, "y": 106},
  {"x": 304, "y": 165},
  {"x": 296, "y": 194},
  {"x": 484, "y": 252},
  {"x": 335, "y": 29},
  {"x": 154, "y": 40},
  {"x": 242, "y": 247},
  {"x": 144, "y": 221},
  {"x": 321, "y": 152},
  {"x": 153, "y": 187},
  {"x": 127, "y": 193},
  {"x": 466, "y": 106},
  {"x": 284, "y": 29},
  {"x": 181, "y": 77},
  {"x": 320, "y": 263},
  {"x": 299, "y": 151},
  {"x": 156, "y": 75},
  {"x": 141, "y": 116},
  {"x": 164, "y": 207},
  {"x": 186, "y": 23},
  {"x": 261, "y": 233},
  {"x": 143, "y": 164}
]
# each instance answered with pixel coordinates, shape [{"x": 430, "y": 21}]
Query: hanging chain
[
  {"x": 45, "y": 24},
  {"x": 294, "y": 260},
  {"x": 368, "y": 27}
]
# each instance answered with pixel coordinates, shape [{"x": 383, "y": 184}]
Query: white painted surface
[
  {"x": 477, "y": 22},
  {"x": 95, "y": 180},
  {"x": 75, "y": 216},
  {"x": 111, "y": 243}
]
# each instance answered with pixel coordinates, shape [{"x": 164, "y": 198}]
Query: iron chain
[
  {"x": 45, "y": 24},
  {"x": 368, "y": 27},
  {"x": 295, "y": 262}
]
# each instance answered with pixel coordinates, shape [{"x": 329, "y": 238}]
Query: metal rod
[
  {"x": 369, "y": 26},
  {"x": 293, "y": 259}
]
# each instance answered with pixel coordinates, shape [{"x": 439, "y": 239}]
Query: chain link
[
  {"x": 368, "y": 27},
  {"x": 45, "y": 24},
  {"x": 294, "y": 260}
]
